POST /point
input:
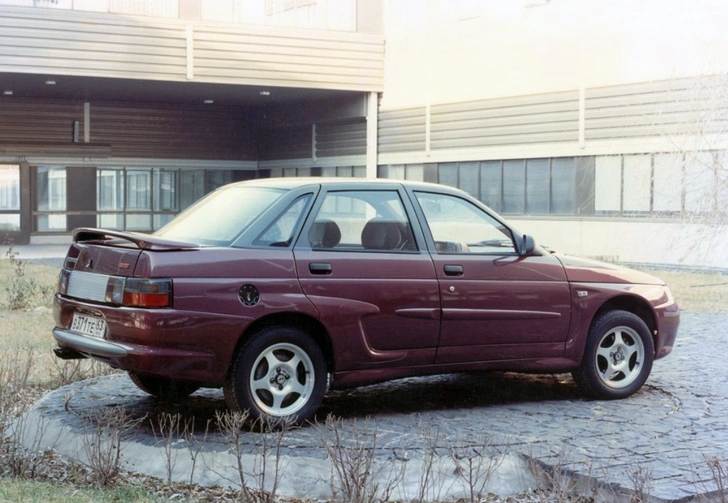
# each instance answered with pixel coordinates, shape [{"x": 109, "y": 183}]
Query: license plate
[{"x": 88, "y": 325}]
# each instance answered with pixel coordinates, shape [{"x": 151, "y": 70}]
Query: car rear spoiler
[{"x": 121, "y": 238}]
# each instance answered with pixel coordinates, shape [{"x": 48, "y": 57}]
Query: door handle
[
  {"x": 453, "y": 270},
  {"x": 319, "y": 268}
]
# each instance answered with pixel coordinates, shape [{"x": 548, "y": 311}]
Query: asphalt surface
[{"x": 664, "y": 436}]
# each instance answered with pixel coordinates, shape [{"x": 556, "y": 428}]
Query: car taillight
[
  {"x": 118, "y": 290},
  {"x": 147, "y": 292},
  {"x": 63, "y": 276}
]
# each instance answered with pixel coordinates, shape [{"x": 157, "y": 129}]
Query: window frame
[
  {"x": 408, "y": 210},
  {"x": 432, "y": 245}
]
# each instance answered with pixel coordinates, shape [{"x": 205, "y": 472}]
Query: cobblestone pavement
[{"x": 668, "y": 431}]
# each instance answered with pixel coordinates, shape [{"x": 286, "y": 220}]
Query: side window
[
  {"x": 362, "y": 221},
  {"x": 280, "y": 232},
  {"x": 458, "y": 226}
]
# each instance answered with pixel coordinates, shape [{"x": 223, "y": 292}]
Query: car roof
[{"x": 290, "y": 183}]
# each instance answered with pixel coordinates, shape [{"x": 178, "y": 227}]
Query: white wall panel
[
  {"x": 637, "y": 181},
  {"x": 699, "y": 182},
  {"x": 668, "y": 180},
  {"x": 608, "y": 183}
]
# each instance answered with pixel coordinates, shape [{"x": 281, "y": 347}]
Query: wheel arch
[
  {"x": 308, "y": 324},
  {"x": 632, "y": 304}
]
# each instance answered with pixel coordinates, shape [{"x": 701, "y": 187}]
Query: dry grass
[
  {"x": 26, "y": 331},
  {"x": 697, "y": 291}
]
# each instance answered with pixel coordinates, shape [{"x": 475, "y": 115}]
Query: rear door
[
  {"x": 364, "y": 266},
  {"x": 496, "y": 304}
]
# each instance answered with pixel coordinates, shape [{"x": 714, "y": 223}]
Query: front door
[{"x": 496, "y": 304}]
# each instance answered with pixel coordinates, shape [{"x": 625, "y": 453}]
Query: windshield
[{"x": 219, "y": 218}]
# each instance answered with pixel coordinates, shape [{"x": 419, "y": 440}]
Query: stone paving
[{"x": 668, "y": 431}]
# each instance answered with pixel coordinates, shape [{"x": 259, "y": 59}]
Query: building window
[
  {"x": 138, "y": 200},
  {"x": 328, "y": 171},
  {"x": 705, "y": 184},
  {"x": 191, "y": 187},
  {"x": 51, "y": 198},
  {"x": 637, "y": 180},
  {"x": 145, "y": 199},
  {"x": 672, "y": 185},
  {"x": 415, "y": 172},
  {"x": 608, "y": 184},
  {"x": 110, "y": 198},
  {"x": 667, "y": 186},
  {"x": 344, "y": 171},
  {"x": 519, "y": 186},
  {"x": 563, "y": 186},
  {"x": 9, "y": 198}
]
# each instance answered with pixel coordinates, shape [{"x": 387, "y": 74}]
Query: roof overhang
[{"x": 83, "y": 88}]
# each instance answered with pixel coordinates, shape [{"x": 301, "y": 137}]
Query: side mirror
[{"x": 526, "y": 245}]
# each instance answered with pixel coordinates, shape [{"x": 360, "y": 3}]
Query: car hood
[{"x": 580, "y": 270}]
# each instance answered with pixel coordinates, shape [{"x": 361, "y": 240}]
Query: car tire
[
  {"x": 278, "y": 375},
  {"x": 617, "y": 358},
  {"x": 163, "y": 388}
]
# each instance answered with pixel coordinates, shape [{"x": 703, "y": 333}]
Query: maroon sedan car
[{"x": 277, "y": 290}]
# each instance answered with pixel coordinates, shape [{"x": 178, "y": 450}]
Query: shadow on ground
[{"x": 411, "y": 396}]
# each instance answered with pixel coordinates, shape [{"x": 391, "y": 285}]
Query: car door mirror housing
[{"x": 526, "y": 245}]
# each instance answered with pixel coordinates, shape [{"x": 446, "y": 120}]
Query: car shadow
[
  {"x": 409, "y": 396},
  {"x": 447, "y": 392}
]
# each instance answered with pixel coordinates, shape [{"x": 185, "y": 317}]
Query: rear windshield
[{"x": 219, "y": 218}]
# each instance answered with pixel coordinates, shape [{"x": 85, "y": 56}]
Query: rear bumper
[
  {"x": 188, "y": 346},
  {"x": 91, "y": 346}
]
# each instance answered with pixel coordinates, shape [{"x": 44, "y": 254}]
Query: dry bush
[
  {"x": 476, "y": 459},
  {"x": 168, "y": 428},
  {"x": 641, "y": 479},
  {"x": 429, "y": 485},
  {"x": 103, "y": 441},
  {"x": 357, "y": 476},
  {"x": 195, "y": 445},
  {"x": 25, "y": 448},
  {"x": 719, "y": 473},
  {"x": 554, "y": 479},
  {"x": 258, "y": 482},
  {"x": 15, "y": 370}
]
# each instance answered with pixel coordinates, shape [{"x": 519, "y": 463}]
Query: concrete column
[{"x": 372, "y": 147}]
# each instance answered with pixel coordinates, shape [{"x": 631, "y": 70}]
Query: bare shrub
[
  {"x": 429, "y": 484},
  {"x": 555, "y": 479},
  {"x": 25, "y": 447},
  {"x": 195, "y": 445},
  {"x": 641, "y": 479},
  {"x": 719, "y": 473},
  {"x": 356, "y": 475},
  {"x": 168, "y": 428},
  {"x": 271, "y": 436},
  {"x": 231, "y": 424},
  {"x": 104, "y": 440},
  {"x": 15, "y": 370},
  {"x": 258, "y": 481},
  {"x": 476, "y": 459}
]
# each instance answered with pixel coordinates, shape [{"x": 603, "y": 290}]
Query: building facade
[{"x": 598, "y": 127}]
